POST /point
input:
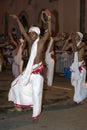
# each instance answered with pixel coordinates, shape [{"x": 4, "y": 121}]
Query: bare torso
[
  {"x": 42, "y": 41},
  {"x": 40, "y": 49},
  {"x": 80, "y": 49},
  {"x": 39, "y": 56}
]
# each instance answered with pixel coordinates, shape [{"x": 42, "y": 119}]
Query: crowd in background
[{"x": 62, "y": 59}]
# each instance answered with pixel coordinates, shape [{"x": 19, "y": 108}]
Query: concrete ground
[{"x": 58, "y": 113}]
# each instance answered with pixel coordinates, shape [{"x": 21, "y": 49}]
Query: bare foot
[
  {"x": 12, "y": 109},
  {"x": 18, "y": 108},
  {"x": 80, "y": 103},
  {"x": 49, "y": 88},
  {"x": 35, "y": 121}
]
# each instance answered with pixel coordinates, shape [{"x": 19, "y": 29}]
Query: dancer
[
  {"x": 27, "y": 89},
  {"x": 78, "y": 75},
  {"x": 17, "y": 65},
  {"x": 50, "y": 63}
]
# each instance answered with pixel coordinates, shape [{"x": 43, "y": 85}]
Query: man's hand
[
  {"x": 48, "y": 13},
  {"x": 14, "y": 16},
  {"x": 45, "y": 15}
]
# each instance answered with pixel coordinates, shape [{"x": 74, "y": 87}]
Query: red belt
[{"x": 38, "y": 70}]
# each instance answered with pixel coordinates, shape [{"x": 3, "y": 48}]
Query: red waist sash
[{"x": 38, "y": 70}]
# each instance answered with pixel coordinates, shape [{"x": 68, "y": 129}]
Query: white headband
[
  {"x": 80, "y": 34},
  {"x": 35, "y": 29}
]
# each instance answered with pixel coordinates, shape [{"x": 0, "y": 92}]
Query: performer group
[{"x": 28, "y": 84}]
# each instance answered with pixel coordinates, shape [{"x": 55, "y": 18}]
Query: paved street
[{"x": 59, "y": 112}]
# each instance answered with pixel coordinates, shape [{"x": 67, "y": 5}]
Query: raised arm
[
  {"x": 5, "y": 44},
  {"x": 21, "y": 27},
  {"x": 46, "y": 21},
  {"x": 12, "y": 40}
]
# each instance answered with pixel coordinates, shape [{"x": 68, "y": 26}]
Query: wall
[
  {"x": 85, "y": 16},
  {"x": 65, "y": 13}
]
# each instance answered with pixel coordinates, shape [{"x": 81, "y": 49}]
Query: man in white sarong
[
  {"x": 49, "y": 58},
  {"x": 78, "y": 75},
  {"x": 26, "y": 90},
  {"x": 17, "y": 65}
]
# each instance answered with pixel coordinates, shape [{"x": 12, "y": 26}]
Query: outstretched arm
[
  {"x": 47, "y": 32},
  {"x": 21, "y": 27},
  {"x": 5, "y": 44},
  {"x": 12, "y": 40}
]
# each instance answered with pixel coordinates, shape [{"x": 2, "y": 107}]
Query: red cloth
[
  {"x": 80, "y": 69},
  {"x": 39, "y": 69}
]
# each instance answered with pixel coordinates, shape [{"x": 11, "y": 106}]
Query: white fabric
[
  {"x": 75, "y": 68},
  {"x": 78, "y": 43},
  {"x": 27, "y": 88},
  {"x": 29, "y": 95},
  {"x": 35, "y": 29},
  {"x": 80, "y": 34},
  {"x": 23, "y": 78},
  {"x": 78, "y": 80},
  {"x": 50, "y": 64},
  {"x": 17, "y": 62},
  {"x": 37, "y": 86}
]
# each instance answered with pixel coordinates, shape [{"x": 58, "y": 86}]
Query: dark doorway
[
  {"x": 24, "y": 22},
  {"x": 82, "y": 16}
]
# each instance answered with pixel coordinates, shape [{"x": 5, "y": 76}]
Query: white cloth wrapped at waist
[
  {"x": 80, "y": 66},
  {"x": 21, "y": 80},
  {"x": 76, "y": 69}
]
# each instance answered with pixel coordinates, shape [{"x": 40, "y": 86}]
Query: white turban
[
  {"x": 80, "y": 34},
  {"x": 35, "y": 29}
]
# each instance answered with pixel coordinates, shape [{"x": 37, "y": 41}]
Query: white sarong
[
  {"x": 50, "y": 64},
  {"x": 78, "y": 77},
  {"x": 17, "y": 65},
  {"x": 26, "y": 89}
]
